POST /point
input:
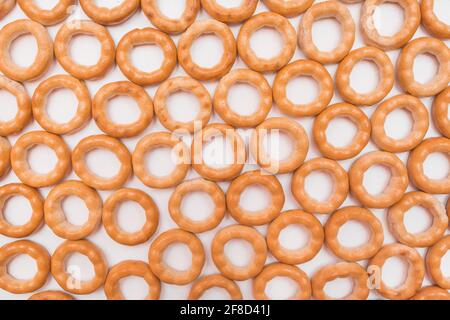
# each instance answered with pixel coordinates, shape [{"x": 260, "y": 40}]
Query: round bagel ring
[
  {"x": 213, "y": 281},
  {"x": 415, "y": 274},
  {"x": 386, "y": 74},
  {"x": 139, "y": 37},
  {"x": 419, "y": 115},
  {"x": 405, "y": 66},
  {"x": 416, "y": 160},
  {"x": 112, "y": 226},
  {"x": 431, "y": 22},
  {"x": 320, "y": 11},
  {"x": 433, "y": 262},
  {"x": 230, "y": 15},
  {"x": 21, "y": 167},
  {"x": 266, "y": 20},
  {"x": 66, "y": 280},
  {"x": 301, "y": 255},
  {"x": 44, "y": 56},
  {"x": 252, "y": 78},
  {"x": 340, "y": 185},
  {"x": 431, "y": 293},
  {"x": 161, "y": 140},
  {"x": 5, "y": 156},
  {"x": 167, "y": 273},
  {"x": 39, "y": 104},
  {"x": 426, "y": 238},
  {"x": 6, "y": 6},
  {"x": 393, "y": 192},
  {"x": 260, "y": 217},
  {"x": 37, "y": 206},
  {"x": 288, "y": 8},
  {"x": 370, "y": 33},
  {"x": 56, "y": 219},
  {"x": 360, "y": 140},
  {"x": 42, "y": 258},
  {"x": 166, "y": 24},
  {"x": 182, "y": 84},
  {"x": 341, "y": 270},
  {"x": 282, "y": 270},
  {"x": 110, "y": 16},
  {"x": 126, "y": 269},
  {"x": 196, "y": 30},
  {"x": 195, "y": 226},
  {"x": 51, "y": 295},
  {"x": 297, "y": 134},
  {"x": 90, "y": 178},
  {"x": 225, "y": 266},
  {"x": 230, "y": 171},
  {"x": 47, "y": 17},
  {"x": 122, "y": 88},
  {"x": 23, "y": 115},
  {"x": 440, "y": 110},
  {"x": 353, "y": 254},
  {"x": 87, "y": 27},
  {"x": 310, "y": 69}
]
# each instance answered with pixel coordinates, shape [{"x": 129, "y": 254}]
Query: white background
[{"x": 207, "y": 51}]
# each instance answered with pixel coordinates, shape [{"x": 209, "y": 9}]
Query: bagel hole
[
  {"x": 23, "y": 50},
  {"x": 42, "y": 159},
  {"x": 103, "y": 163},
  {"x": 75, "y": 210},
  {"x": 294, "y": 237},
  {"x": 353, "y": 234},
  {"x": 147, "y": 58},
  {"x": 197, "y": 206},
  {"x": 46, "y": 4},
  {"x": 230, "y": 3},
  {"x": 130, "y": 216},
  {"x": 339, "y": 288},
  {"x": 319, "y": 185},
  {"x": 183, "y": 106},
  {"x": 62, "y": 105},
  {"x": 17, "y": 210},
  {"x": 218, "y": 152},
  {"x": 22, "y": 267},
  {"x": 207, "y": 50},
  {"x": 417, "y": 219},
  {"x": 278, "y": 144},
  {"x": 396, "y": 116},
  {"x": 364, "y": 77},
  {"x": 243, "y": 99},
  {"x": 108, "y": 3},
  {"x": 9, "y": 106},
  {"x": 255, "y": 198},
  {"x": 388, "y": 18},
  {"x": 85, "y": 49},
  {"x": 437, "y": 166},
  {"x": 123, "y": 110},
  {"x": 79, "y": 267},
  {"x": 425, "y": 68},
  {"x": 178, "y": 256},
  {"x": 239, "y": 252},
  {"x": 266, "y": 43},
  {"x": 394, "y": 272},
  {"x": 440, "y": 9},
  {"x": 341, "y": 131},
  {"x": 445, "y": 264},
  {"x": 376, "y": 179},
  {"x": 172, "y": 9},
  {"x": 302, "y": 90},
  {"x": 281, "y": 288},
  {"x": 134, "y": 288},
  {"x": 326, "y": 34},
  {"x": 160, "y": 162},
  {"x": 215, "y": 293}
]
